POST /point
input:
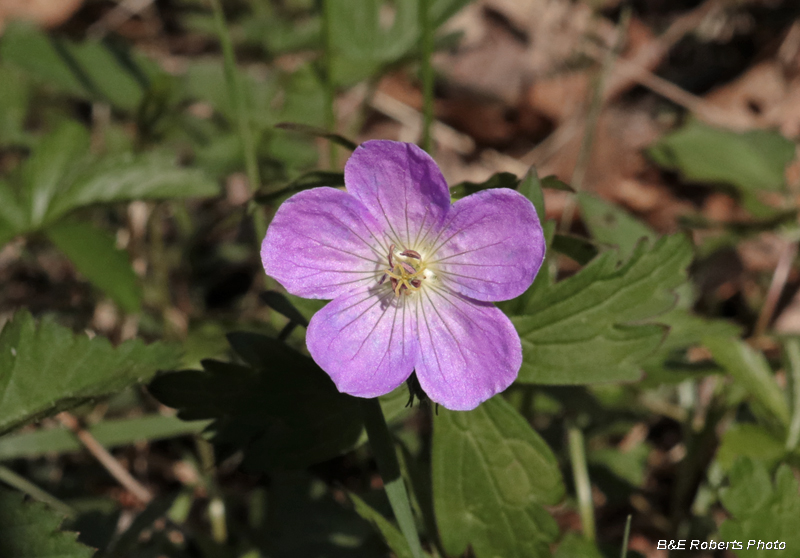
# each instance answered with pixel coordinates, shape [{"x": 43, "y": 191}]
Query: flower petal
[
  {"x": 365, "y": 341},
  {"x": 490, "y": 247},
  {"x": 322, "y": 243},
  {"x": 468, "y": 350},
  {"x": 401, "y": 186}
]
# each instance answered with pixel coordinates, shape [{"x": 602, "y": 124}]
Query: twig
[
  {"x": 112, "y": 20},
  {"x": 107, "y": 460},
  {"x": 411, "y": 118},
  {"x": 426, "y": 26},
  {"x": 782, "y": 269}
]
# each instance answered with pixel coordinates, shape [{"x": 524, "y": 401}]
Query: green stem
[
  {"x": 792, "y": 347},
  {"x": 626, "y": 537},
  {"x": 330, "y": 86},
  {"x": 383, "y": 449},
  {"x": 236, "y": 96},
  {"x": 216, "y": 505},
  {"x": 24, "y": 485},
  {"x": 580, "y": 475},
  {"x": 426, "y": 71}
]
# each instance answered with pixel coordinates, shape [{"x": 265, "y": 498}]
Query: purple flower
[{"x": 410, "y": 275}]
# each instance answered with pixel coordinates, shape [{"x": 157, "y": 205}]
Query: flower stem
[
  {"x": 24, "y": 485},
  {"x": 330, "y": 86},
  {"x": 426, "y": 71},
  {"x": 383, "y": 449},
  {"x": 236, "y": 96},
  {"x": 580, "y": 475}
]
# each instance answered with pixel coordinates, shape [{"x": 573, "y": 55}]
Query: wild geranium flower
[{"x": 410, "y": 276}]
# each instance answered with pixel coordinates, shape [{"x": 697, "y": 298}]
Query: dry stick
[
  {"x": 107, "y": 460},
  {"x": 782, "y": 269}
]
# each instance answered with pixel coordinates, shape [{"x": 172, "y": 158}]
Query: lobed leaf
[
  {"x": 45, "y": 368},
  {"x": 279, "y": 406},
  {"x": 760, "y": 509},
  {"x": 593, "y": 326},
  {"x": 492, "y": 474},
  {"x": 30, "y": 530}
]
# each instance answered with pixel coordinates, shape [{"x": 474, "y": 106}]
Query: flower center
[{"x": 406, "y": 271}]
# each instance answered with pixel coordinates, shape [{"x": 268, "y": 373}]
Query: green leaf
[
  {"x": 581, "y": 330},
  {"x": 45, "y": 368},
  {"x": 492, "y": 474},
  {"x": 314, "y": 131},
  {"x": 531, "y": 187},
  {"x": 12, "y": 217},
  {"x": 498, "y": 180},
  {"x": 761, "y": 511},
  {"x": 391, "y": 534},
  {"x": 575, "y": 546},
  {"x": 92, "y": 70},
  {"x": 30, "y": 530},
  {"x": 577, "y": 248},
  {"x": 48, "y": 171},
  {"x": 15, "y": 97},
  {"x": 312, "y": 179},
  {"x": 128, "y": 177},
  {"x": 750, "y": 161},
  {"x": 751, "y": 369},
  {"x": 610, "y": 224},
  {"x": 94, "y": 253},
  {"x": 669, "y": 364},
  {"x": 280, "y": 406},
  {"x": 111, "y": 433},
  {"x": 749, "y": 440}
]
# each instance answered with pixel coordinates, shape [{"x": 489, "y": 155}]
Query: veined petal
[
  {"x": 490, "y": 247},
  {"x": 468, "y": 350},
  {"x": 365, "y": 341},
  {"x": 322, "y": 243},
  {"x": 401, "y": 186}
]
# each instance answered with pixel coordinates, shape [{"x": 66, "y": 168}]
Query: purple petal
[
  {"x": 468, "y": 350},
  {"x": 323, "y": 243},
  {"x": 401, "y": 186},
  {"x": 491, "y": 246},
  {"x": 365, "y": 341}
]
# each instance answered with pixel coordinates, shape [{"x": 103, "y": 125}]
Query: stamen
[{"x": 405, "y": 277}]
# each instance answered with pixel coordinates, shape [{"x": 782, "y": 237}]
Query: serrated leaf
[
  {"x": 761, "y": 511},
  {"x": 750, "y": 161},
  {"x": 94, "y": 254},
  {"x": 281, "y": 407},
  {"x": 531, "y": 187},
  {"x": 391, "y": 534},
  {"x": 749, "y": 440},
  {"x": 751, "y": 369},
  {"x": 492, "y": 474},
  {"x": 30, "y": 530},
  {"x": 45, "y": 368},
  {"x": 588, "y": 328}
]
